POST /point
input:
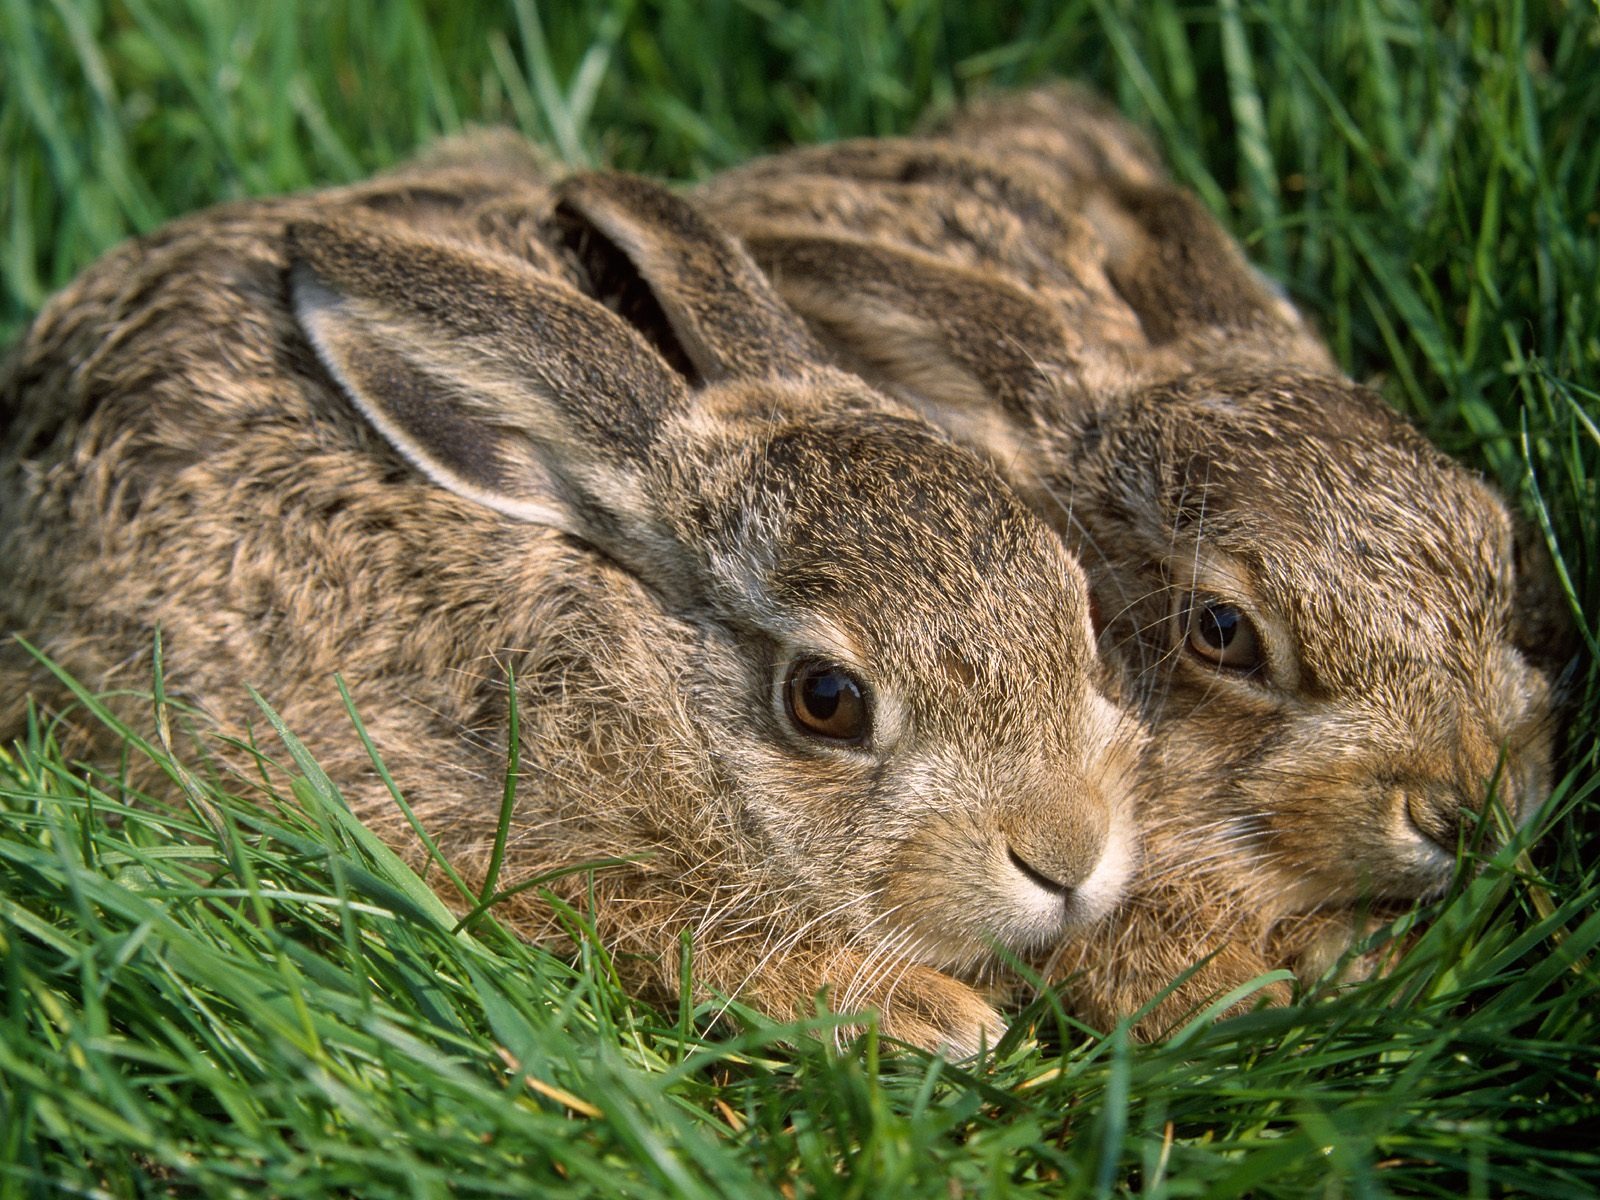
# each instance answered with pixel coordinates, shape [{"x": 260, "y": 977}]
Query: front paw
[
  {"x": 1318, "y": 947},
  {"x": 914, "y": 1004},
  {"x": 928, "y": 1009}
]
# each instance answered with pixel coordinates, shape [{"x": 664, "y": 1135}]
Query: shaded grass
[{"x": 250, "y": 998}]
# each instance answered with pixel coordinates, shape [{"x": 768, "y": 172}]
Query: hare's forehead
[
  {"x": 921, "y": 610},
  {"x": 890, "y": 501},
  {"x": 926, "y": 604},
  {"x": 1359, "y": 607},
  {"x": 1326, "y": 507},
  {"x": 1360, "y": 564},
  {"x": 877, "y": 525}
]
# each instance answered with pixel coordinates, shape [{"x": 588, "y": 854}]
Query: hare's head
[
  {"x": 887, "y": 659},
  {"x": 1320, "y": 613}
]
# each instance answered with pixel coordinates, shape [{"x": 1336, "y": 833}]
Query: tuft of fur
[
  {"x": 1028, "y": 277},
  {"x": 461, "y": 420}
]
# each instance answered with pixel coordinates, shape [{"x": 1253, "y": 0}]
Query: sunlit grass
[{"x": 247, "y": 997}]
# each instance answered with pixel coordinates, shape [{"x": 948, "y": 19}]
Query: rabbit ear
[
  {"x": 975, "y": 353},
  {"x": 1180, "y": 271},
  {"x": 503, "y": 385},
  {"x": 720, "y": 313}
]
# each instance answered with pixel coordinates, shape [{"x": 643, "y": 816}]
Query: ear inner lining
[
  {"x": 610, "y": 276},
  {"x": 413, "y": 402},
  {"x": 413, "y": 410}
]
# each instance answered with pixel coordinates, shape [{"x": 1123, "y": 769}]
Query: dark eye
[
  {"x": 1221, "y": 634},
  {"x": 826, "y": 701}
]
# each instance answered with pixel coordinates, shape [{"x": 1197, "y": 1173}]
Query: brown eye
[
  {"x": 826, "y": 701},
  {"x": 1221, "y": 634}
]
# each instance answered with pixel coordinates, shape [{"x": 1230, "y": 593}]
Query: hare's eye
[
  {"x": 1222, "y": 635},
  {"x": 826, "y": 701}
]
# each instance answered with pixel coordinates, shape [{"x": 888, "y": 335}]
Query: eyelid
[
  {"x": 886, "y": 720},
  {"x": 814, "y": 636},
  {"x": 1217, "y": 575},
  {"x": 1185, "y": 606}
]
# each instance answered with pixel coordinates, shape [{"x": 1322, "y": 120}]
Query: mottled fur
[
  {"x": 1030, "y": 278},
  {"x": 634, "y": 480}
]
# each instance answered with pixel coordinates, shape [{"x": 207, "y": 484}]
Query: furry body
[{"x": 460, "y": 421}]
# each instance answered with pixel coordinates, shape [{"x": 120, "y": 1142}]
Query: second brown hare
[
  {"x": 817, "y": 676},
  {"x": 1333, "y": 630}
]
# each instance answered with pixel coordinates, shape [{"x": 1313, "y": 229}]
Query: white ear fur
[
  {"x": 503, "y": 385},
  {"x": 390, "y": 369}
]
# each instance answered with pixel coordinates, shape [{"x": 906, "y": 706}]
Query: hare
[
  {"x": 1332, "y": 629},
  {"x": 815, "y": 674}
]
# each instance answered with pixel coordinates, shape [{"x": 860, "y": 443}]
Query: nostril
[
  {"x": 1441, "y": 817},
  {"x": 1036, "y": 875}
]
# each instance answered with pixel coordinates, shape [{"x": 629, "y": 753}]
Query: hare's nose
[
  {"x": 1439, "y": 818},
  {"x": 1054, "y": 862},
  {"x": 1055, "y": 824},
  {"x": 1444, "y": 813},
  {"x": 1048, "y": 882}
]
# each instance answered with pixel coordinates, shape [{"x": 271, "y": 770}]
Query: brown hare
[
  {"x": 817, "y": 674},
  {"x": 1330, "y": 627}
]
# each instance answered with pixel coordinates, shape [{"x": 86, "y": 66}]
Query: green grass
[{"x": 245, "y": 1000}]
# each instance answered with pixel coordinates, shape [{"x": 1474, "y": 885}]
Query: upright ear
[
  {"x": 503, "y": 385},
  {"x": 979, "y": 357},
  {"x": 720, "y": 316}
]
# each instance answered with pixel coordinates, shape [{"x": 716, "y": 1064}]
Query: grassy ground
[{"x": 230, "y": 1001}]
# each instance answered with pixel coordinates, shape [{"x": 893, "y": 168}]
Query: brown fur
[
  {"x": 1028, "y": 277},
  {"x": 634, "y": 480}
]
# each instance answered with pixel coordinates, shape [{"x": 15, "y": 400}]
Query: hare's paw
[
  {"x": 928, "y": 1009},
  {"x": 913, "y": 1004},
  {"x": 1319, "y": 946}
]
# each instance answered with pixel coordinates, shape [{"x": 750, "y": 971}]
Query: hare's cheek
[
  {"x": 1525, "y": 727},
  {"x": 1338, "y": 829},
  {"x": 818, "y": 827},
  {"x": 932, "y": 889}
]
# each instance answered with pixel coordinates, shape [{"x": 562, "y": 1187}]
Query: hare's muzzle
[
  {"x": 1450, "y": 816},
  {"x": 1049, "y": 883},
  {"x": 1054, "y": 857},
  {"x": 1069, "y": 860}
]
